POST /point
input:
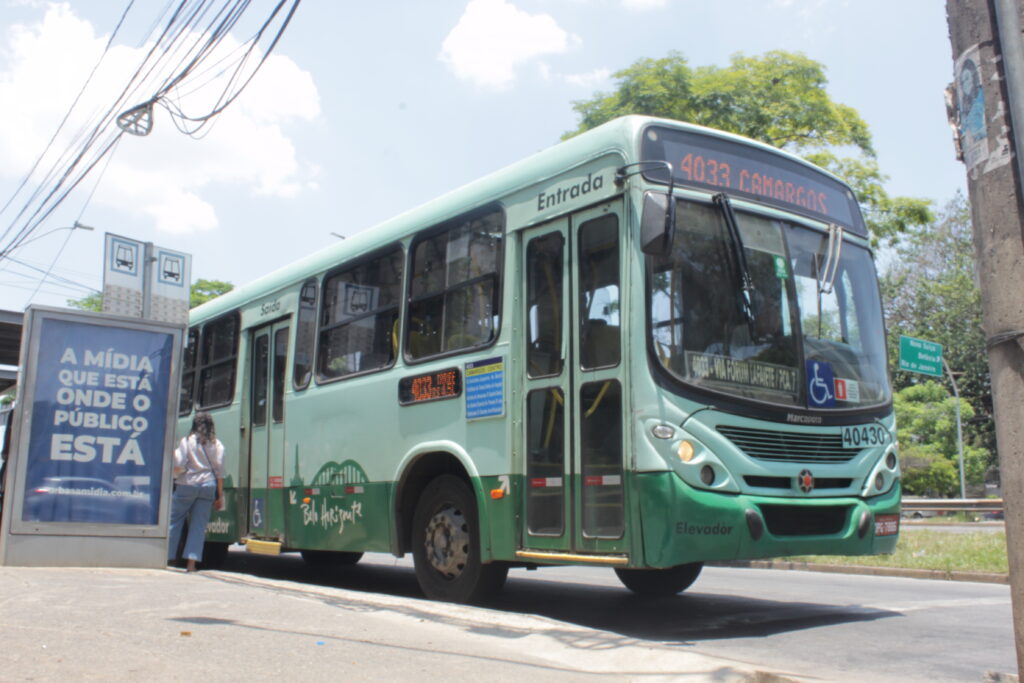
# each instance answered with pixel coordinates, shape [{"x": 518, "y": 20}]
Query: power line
[{"x": 191, "y": 33}]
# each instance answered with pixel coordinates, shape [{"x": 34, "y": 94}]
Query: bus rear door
[{"x": 268, "y": 363}]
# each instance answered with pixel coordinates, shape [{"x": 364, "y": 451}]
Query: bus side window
[
  {"x": 188, "y": 373},
  {"x": 305, "y": 336},
  {"x": 544, "y": 256},
  {"x": 454, "y": 289},
  {"x": 358, "y": 316},
  {"x": 218, "y": 360},
  {"x": 599, "y": 292}
]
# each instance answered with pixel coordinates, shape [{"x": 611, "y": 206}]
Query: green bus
[{"x": 648, "y": 347}]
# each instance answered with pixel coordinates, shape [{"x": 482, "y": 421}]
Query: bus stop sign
[{"x": 918, "y": 355}]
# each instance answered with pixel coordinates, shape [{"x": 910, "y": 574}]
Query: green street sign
[{"x": 918, "y": 355}]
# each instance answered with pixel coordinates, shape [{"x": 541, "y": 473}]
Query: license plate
[
  {"x": 887, "y": 525},
  {"x": 865, "y": 436}
]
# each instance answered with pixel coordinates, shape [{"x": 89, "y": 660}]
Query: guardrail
[{"x": 952, "y": 505}]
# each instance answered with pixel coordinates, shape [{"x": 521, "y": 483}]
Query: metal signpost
[{"x": 89, "y": 481}]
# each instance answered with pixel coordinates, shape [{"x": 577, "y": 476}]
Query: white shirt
[{"x": 198, "y": 465}]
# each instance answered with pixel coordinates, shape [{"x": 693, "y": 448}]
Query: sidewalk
[{"x": 146, "y": 624}]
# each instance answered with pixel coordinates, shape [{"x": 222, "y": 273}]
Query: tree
[
  {"x": 930, "y": 290},
  {"x": 925, "y": 416},
  {"x": 202, "y": 291},
  {"x": 93, "y": 302},
  {"x": 205, "y": 290},
  {"x": 778, "y": 98}
]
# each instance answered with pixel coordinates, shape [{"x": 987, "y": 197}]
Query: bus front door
[
  {"x": 269, "y": 351},
  {"x": 573, "y": 400}
]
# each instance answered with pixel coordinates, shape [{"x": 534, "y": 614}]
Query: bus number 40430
[{"x": 865, "y": 436}]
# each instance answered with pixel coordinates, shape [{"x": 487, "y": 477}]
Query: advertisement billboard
[{"x": 96, "y": 406}]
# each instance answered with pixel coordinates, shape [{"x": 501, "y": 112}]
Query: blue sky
[{"x": 368, "y": 109}]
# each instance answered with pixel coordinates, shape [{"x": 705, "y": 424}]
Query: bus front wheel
[
  {"x": 446, "y": 545},
  {"x": 660, "y": 583}
]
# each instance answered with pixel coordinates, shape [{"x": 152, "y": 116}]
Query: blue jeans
[{"x": 193, "y": 503}]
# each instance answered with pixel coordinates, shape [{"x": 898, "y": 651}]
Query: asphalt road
[{"x": 824, "y": 626}]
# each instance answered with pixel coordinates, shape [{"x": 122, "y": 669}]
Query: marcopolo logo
[
  {"x": 716, "y": 529},
  {"x": 552, "y": 198}
]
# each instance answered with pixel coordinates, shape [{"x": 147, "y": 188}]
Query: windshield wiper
[
  {"x": 826, "y": 275},
  {"x": 745, "y": 301}
]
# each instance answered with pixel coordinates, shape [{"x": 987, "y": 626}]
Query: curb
[{"x": 938, "y": 574}]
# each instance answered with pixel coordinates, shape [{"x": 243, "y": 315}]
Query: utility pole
[{"x": 985, "y": 104}]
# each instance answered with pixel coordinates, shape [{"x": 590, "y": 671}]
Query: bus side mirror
[{"x": 657, "y": 224}]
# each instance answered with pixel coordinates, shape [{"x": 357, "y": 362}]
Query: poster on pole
[{"x": 97, "y": 409}]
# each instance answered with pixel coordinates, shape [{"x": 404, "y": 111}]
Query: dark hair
[{"x": 203, "y": 428}]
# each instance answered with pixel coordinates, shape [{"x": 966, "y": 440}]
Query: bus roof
[{"x": 621, "y": 135}]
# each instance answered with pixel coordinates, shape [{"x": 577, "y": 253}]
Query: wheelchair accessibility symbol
[
  {"x": 820, "y": 384},
  {"x": 257, "y": 513}
]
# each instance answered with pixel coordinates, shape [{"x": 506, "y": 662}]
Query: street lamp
[{"x": 76, "y": 226}]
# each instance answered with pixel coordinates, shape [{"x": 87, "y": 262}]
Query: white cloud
[
  {"x": 493, "y": 37},
  {"x": 645, "y": 5},
  {"x": 166, "y": 176},
  {"x": 596, "y": 79}
]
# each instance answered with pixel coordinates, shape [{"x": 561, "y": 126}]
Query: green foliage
[
  {"x": 926, "y": 423},
  {"x": 930, "y": 290},
  {"x": 93, "y": 302},
  {"x": 206, "y": 290},
  {"x": 202, "y": 291},
  {"x": 778, "y": 98},
  {"x": 976, "y": 551}
]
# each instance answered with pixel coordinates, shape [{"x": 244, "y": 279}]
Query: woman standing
[{"x": 198, "y": 487}]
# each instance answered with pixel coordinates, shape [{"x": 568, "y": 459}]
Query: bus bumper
[{"x": 680, "y": 524}]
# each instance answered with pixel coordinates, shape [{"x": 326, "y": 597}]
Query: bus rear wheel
[
  {"x": 329, "y": 558},
  {"x": 446, "y": 545},
  {"x": 660, "y": 583}
]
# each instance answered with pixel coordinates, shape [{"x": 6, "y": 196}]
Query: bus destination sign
[
  {"x": 724, "y": 165},
  {"x": 431, "y": 386}
]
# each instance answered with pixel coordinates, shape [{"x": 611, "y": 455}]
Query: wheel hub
[{"x": 447, "y": 542}]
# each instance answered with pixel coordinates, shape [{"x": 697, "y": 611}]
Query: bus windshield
[{"x": 793, "y": 337}]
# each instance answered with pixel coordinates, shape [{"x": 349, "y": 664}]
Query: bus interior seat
[{"x": 599, "y": 343}]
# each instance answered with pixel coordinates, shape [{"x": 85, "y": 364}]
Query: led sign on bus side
[
  {"x": 726, "y": 165},
  {"x": 432, "y": 386}
]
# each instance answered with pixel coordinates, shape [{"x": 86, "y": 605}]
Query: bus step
[
  {"x": 262, "y": 547},
  {"x": 554, "y": 556}
]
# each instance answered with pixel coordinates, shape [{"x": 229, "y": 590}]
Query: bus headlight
[
  {"x": 685, "y": 451},
  {"x": 885, "y": 474},
  {"x": 663, "y": 431}
]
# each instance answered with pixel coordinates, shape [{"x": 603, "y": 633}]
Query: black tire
[
  {"x": 660, "y": 583},
  {"x": 446, "y": 545},
  {"x": 214, "y": 554},
  {"x": 329, "y": 558}
]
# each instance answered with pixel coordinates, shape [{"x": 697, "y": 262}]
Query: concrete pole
[{"x": 986, "y": 143}]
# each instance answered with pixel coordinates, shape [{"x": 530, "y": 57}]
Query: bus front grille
[
  {"x": 762, "y": 482},
  {"x": 802, "y": 520},
  {"x": 789, "y": 446}
]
